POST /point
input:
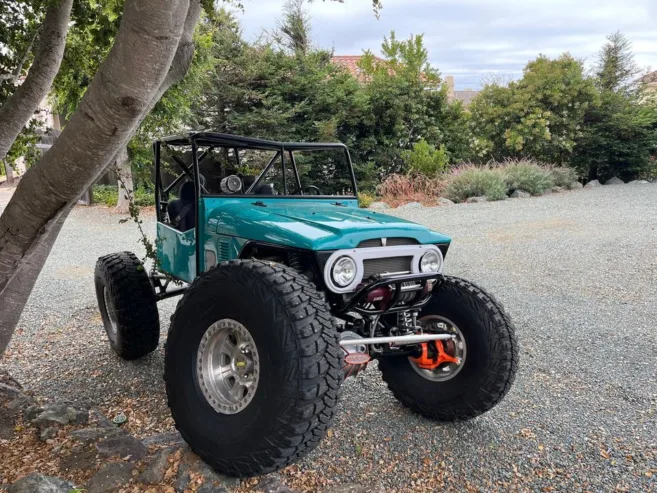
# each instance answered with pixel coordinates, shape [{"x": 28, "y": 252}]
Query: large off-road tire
[
  {"x": 127, "y": 305},
  {"x": 489, "y": 353},
  {"x": 252, "y": 367}
]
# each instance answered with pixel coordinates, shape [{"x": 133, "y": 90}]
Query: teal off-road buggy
[{"x": 287, "y": 288}]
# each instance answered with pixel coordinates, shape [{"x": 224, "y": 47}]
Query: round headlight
[
  {"x": 430, "y": 262},
  {"x": 344, "y": 271}
]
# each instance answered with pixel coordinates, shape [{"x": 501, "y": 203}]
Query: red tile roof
[
  {"x": 350, "y": 62},
  {"x": 649, "y": 78}
]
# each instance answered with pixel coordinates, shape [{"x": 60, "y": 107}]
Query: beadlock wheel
[
  {"x": 127, "y": 305},
  {"x": 228, "y": 367},
  {"x": 456, "y": 390},
  {"x": 252, "y": 367}
]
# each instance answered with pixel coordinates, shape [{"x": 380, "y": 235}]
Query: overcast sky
[{"x": 470, "y": 38}]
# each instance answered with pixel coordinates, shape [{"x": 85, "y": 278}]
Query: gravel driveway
[{"x": 577, "y": 272}]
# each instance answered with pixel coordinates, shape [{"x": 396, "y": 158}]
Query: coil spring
[
  {"x": 294, "y": 260},
  {"x": 407, "y": 319}
]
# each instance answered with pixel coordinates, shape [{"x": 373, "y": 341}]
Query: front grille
[
  {"x": 382, "y": 265},
  {"x": 376, "y": 242}
]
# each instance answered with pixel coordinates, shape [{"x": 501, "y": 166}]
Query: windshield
[{"x": 235, "y": 171}]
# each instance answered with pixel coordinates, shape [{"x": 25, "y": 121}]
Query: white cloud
[{"x": 468, "y": 38}]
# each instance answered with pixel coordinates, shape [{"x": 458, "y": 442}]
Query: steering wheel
[{"x": 313, "y": 190}]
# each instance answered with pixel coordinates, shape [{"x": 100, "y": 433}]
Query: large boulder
[
  {"x": 38, "y": 483},
  {"x": 211, "y": 488},
  {"x": 476, "y": 200},
  {"x": 410, "y": 205},
  {"x": 123, "y": 446},
  {"x": 31, "y": 412},
  {"x": 592, "y": 184},
  {"x": 520, "y": 194},
  {"x": 9, "y": 393},
  {"x": 48, "y": 433},
  {"x": 379, "y": 205},
  {"x": 88, "y": 435},
  {"x": 272, "y": 484},
  {"x": 79, "y": 457},
  {"x": 110, "y": 477},
  {"x": 575, "y": 185},
  {"x": 13, "y": 402},
  {"x": 61, "y": 414},
  {"x": 614, "y": 180},
  {"x": 156, "y": 468},
  {"x": 100, "y": 419},
  {"x": 638, "y": 182},
  {"x": 443, "y": 201},
  {"x": 191, "y": 463},
  {"x": 172, "y": 438}
]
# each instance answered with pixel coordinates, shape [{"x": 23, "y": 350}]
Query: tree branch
[
  {"x": 21, "y": 105},
  {"x": 28, "y": 50}
]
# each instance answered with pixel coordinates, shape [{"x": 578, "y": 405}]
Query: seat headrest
[{"x": 187, "y": 191}]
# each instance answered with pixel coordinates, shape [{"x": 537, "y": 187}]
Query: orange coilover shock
[{"x": 431, "y": 362}]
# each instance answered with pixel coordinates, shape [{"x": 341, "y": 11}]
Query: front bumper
[{"x": 389, "y": 294}]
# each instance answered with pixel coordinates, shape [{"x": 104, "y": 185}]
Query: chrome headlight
[
  {"x": 344, "y": 271},
  {"x": 430, "y": 262}
]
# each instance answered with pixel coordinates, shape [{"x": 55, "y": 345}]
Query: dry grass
[{"x": 401, "y": 189}]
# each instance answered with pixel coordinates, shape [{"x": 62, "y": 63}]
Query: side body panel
[{"x": 176, "y": 252}]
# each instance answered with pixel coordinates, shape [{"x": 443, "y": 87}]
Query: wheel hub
[
  {"x": 227, "y": 366},
  {"x": 440, "y": 361}
]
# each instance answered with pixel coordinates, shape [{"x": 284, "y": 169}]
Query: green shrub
[
  {"x": 144, "y": 197},
  {"x": 109, "y": 196},
  {"x": 106, "y": 194},
  {"x": 527, "y": 176},
  {"x": 365, "y": 200},
  {"x": 563, "y": 177},
  {"x": 425, "y": 159},
  {"x": 471, "y": 181}
]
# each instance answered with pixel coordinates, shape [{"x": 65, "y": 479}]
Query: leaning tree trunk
[
  {"x": 124, "y": 178},
  {"x": 21, "y": 105},
  {"x": 179, "y": 67},
  {"x": 140, "y": 62}
]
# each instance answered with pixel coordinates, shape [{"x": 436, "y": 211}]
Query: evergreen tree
[{"x": 619, "y": 134}]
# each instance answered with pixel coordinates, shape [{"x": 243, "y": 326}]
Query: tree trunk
[
  {"x": 18, "y": 290},
  {"x": 21, "y": 105},
  {"x": 10, "y": 173},
  {"x": 115, "y": 102},
  {"x": 124, "y": 177},
  {"x": 179, "y": 67}
]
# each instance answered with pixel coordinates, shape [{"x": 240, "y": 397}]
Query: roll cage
[{"x": 211, "y": 140}]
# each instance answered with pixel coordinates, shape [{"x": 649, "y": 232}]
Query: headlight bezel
[
  {"x": 437, "y": 261},
  {"x": 354, "y": 268}
]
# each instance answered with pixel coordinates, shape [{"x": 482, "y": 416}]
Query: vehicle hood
[{"x": 312, "y": 225}]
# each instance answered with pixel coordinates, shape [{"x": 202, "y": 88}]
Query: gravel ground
[{"x": 577, "y": 272}]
